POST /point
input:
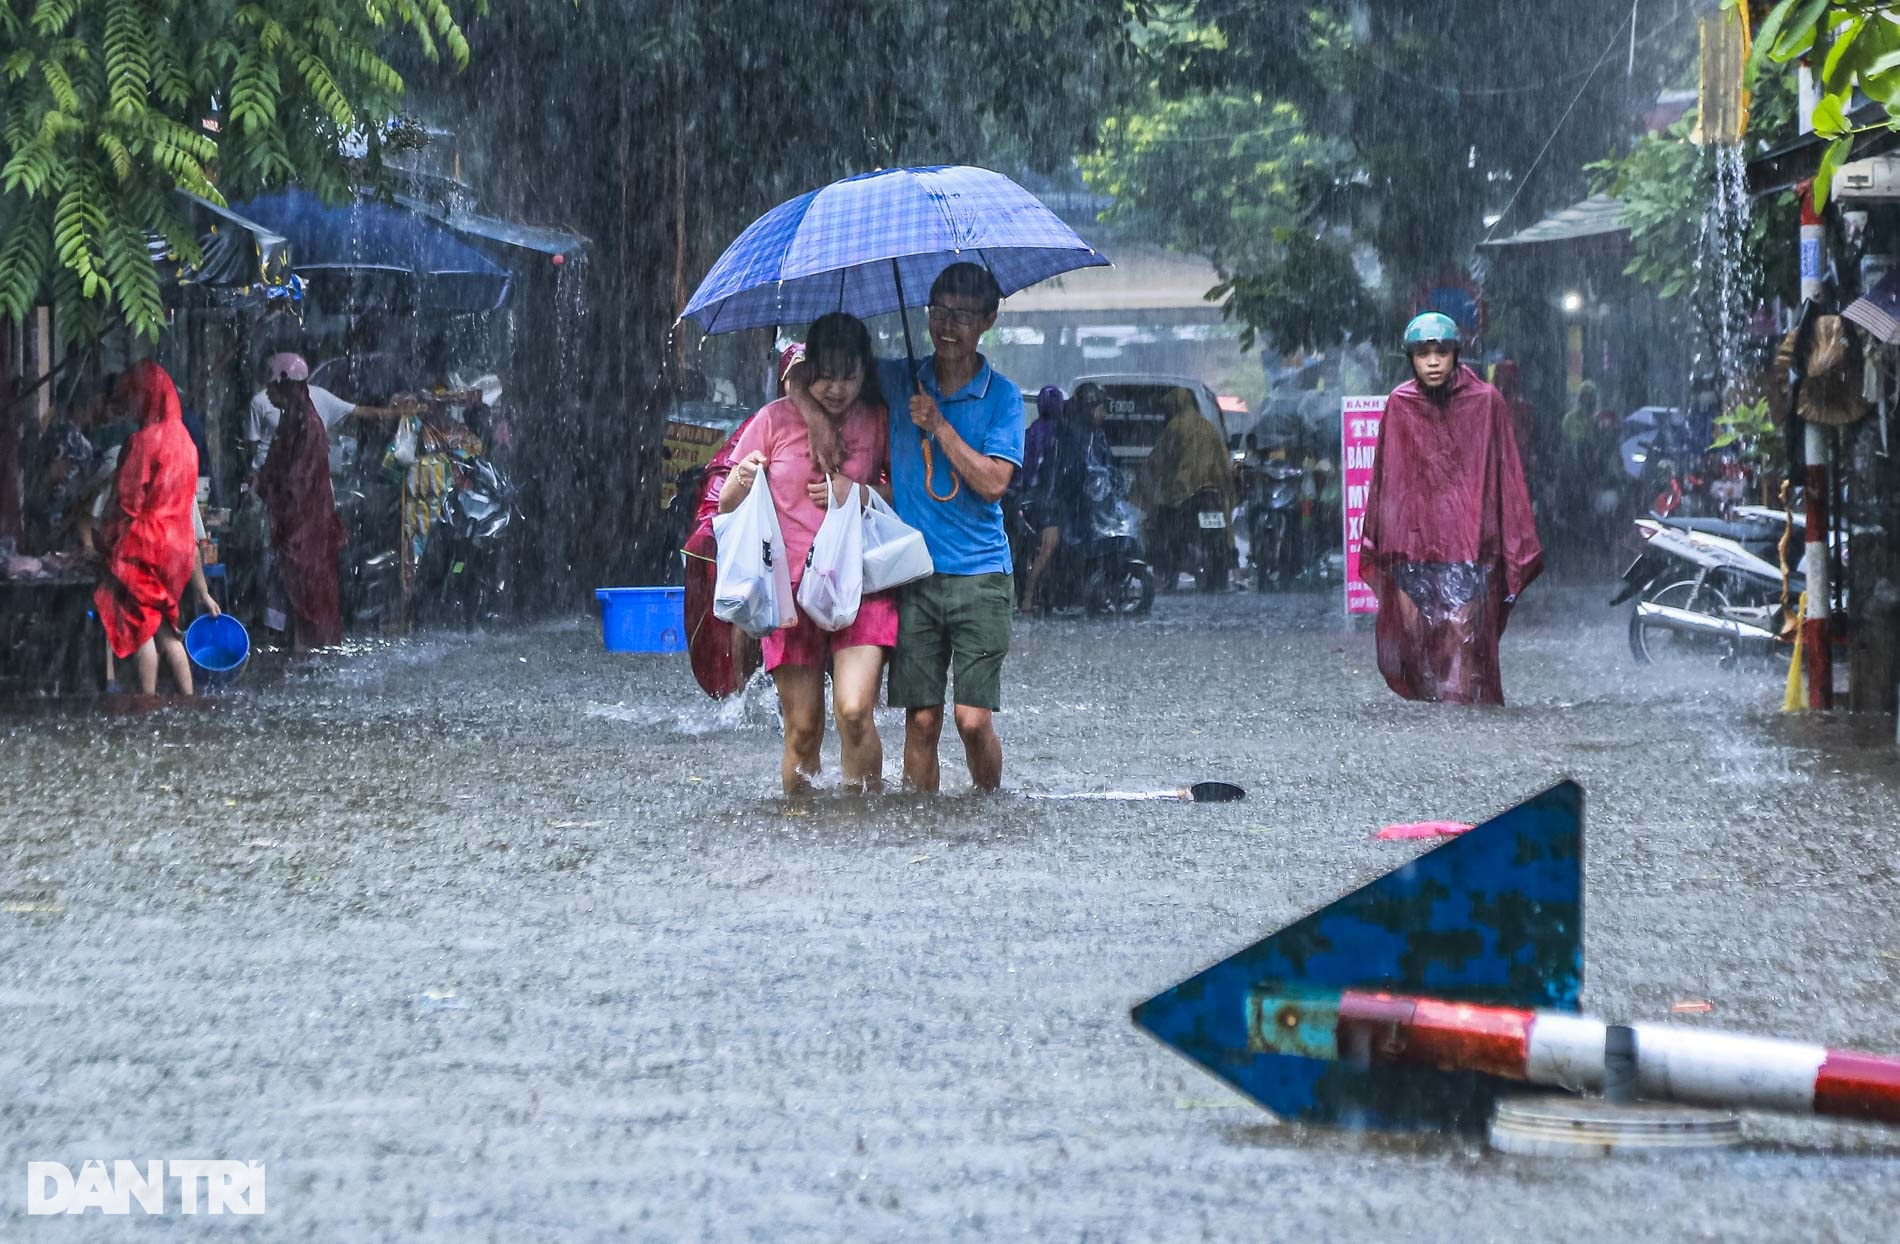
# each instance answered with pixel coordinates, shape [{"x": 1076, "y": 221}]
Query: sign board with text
[{"x": 1359, "y": 438}]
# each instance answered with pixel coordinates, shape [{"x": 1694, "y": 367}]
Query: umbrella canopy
[
  {"x": 1878, "y": 310},
  {"x": 873, "y": 244},
  {"x": 363, "y": 236}
]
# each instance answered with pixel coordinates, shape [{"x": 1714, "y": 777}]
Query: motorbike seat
[{"x": 1741, "y": 533}]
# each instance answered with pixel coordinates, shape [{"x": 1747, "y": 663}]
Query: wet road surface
[{"x": 506, "y": 938}]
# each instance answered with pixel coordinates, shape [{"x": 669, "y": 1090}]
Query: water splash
[
  {"x": 1726, "y": 271},
  {"x": 755, "y": 707}
]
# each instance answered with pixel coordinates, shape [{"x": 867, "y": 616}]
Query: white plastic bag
[
  {"x": 894, "y": 551},
  {"x": 403, "y": 447},
  {"x": 834, "y": 568},
  {"x": 752, "y": 588}
]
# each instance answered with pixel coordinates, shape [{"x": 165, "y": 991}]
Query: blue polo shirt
[{"x": 965, "y": 534}]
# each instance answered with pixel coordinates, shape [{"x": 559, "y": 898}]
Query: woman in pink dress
[{"x": 841, "y": 375}]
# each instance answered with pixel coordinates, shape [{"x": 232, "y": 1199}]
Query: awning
[
  {"x": 1790, "y": 164},
  {"x": 1599, "y": 216},
  {"x": 545, "y": 239},
  {"x": 366, "y": 253},
  {"x": 242, "y": 259}
]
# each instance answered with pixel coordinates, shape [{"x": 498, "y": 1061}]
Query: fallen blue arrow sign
[
  {"x": 1420, "y": 998},
  {"x": 1494, "y": 916}
]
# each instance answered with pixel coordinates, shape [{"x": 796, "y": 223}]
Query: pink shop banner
[{"x": 1359, "y": 437}]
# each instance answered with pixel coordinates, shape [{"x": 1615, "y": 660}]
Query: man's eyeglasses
[{"x": 956, "y": 317}]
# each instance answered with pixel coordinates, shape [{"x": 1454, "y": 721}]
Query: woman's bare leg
[
  {"x": 801, "y": 701},
  {"x": 855, "y": 673},
  {"x": 172, "y": 648},
  {"x": 145, "y": 667},
  {"x": 1045, "y": 551}
]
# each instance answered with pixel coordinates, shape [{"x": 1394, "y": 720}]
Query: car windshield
[{"x": 1138, "y": 412}]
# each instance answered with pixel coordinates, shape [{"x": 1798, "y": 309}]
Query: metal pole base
[{"x": 1561, "y": 1126}]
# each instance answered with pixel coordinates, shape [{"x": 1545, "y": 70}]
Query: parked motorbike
[
  {"x": 677, "y": 522},
  {"x": 1192, "y": 536},
  {"x": 1698, "y": 593},
  {"x": 371, "y": 583},
  {"x": 1276, "y": 501},
  {"x": 1099, "y": 564},
  {"x": 463, "y": 577}
]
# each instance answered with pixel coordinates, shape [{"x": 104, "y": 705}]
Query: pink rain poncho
[{"x": 1449, "y": 540}]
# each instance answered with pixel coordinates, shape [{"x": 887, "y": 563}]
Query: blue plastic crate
[{"x": 642, "y": 619}]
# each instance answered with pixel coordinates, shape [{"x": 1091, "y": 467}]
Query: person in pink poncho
[
  {"x": 1449, "y": 537},
  {"x": 840, "y": 374}
]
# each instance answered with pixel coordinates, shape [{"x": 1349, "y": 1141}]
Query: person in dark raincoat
[
  {"x": 305, "y": 532},
  {"x": 147, "y": 537},
  {"x": 1449, "y": 540},
  {"x": 1041, "y": 487}
]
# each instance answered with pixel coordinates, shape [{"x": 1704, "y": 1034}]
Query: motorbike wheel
[
  {"x": 1210, "y": 574},
  {"x": 1273, "y": 556},
  {"x": 1651, "y": 644},
  {"x": 1125, "y": 592}
]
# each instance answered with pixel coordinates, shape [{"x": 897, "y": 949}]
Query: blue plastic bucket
[
  {"x": 218, "y": 647},
  {"x": 642, "y": 619}
]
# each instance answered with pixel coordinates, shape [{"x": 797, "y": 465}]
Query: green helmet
[{"x": 1431, "y": 326}]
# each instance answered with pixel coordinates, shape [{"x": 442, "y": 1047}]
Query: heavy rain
[{"x": 625, "y": 621}]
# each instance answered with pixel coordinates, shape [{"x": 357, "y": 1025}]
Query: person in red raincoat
[
  {"x": 146, "y": 539},
  {"x": 1449, "y": 540},
  {"x": 305, "y": 532}
]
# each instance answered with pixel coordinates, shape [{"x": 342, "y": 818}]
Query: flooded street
[{"x": 507, "y": 938}]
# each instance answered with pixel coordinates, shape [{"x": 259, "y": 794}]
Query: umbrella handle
[{"x": 956, "y": 484}]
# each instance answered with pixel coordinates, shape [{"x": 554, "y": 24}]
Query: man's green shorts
[{"x": 952, "y": 618}]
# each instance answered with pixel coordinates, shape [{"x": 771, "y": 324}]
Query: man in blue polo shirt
[
  {"x": 953, "y": 453},
  {"x": 955, "y": 445}
]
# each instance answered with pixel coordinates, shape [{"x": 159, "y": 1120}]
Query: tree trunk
[{"x": 11, "y": 522}]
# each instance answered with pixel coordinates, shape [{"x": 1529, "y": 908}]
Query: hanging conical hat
[{"x": 1830, "y": 396}]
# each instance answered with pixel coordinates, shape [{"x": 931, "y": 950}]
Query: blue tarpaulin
[{"x": 362, "y": 238}]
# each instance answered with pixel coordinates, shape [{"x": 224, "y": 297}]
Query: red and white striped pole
[
  {"x": 1816, "y": 632},
  {"x": 1563, "y": 1050}
]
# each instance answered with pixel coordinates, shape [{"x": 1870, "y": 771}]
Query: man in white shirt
[{"x": 260, "y": 421}]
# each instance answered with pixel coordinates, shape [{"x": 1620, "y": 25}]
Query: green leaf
[
  {"x": 1879, "y": 79},
  {"x": 1799, "y": 36},
  {"x": 1844, "y": 40},
  {"x": 1830, "y": 116},
  {"x": 1836, "y": 155},
  {"x": 1766, "y": 36}
]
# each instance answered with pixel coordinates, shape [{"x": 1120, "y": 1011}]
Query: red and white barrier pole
[
  {"x": 1816, "y": 629},
  {"x": 1562, "y": 1050},
  {"x": 1816, "y": 633}
]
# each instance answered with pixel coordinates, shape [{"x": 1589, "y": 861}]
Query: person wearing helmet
[
  {"x": 260, "y": 420},
  {"x": 1040, "y": 488},
  {"x": 1449, "y": 540}
]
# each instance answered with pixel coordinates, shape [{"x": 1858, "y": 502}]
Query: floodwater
[{"x": 506, "y": 938}]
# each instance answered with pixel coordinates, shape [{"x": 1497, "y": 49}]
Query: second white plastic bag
[{"x": 833, "y": 582}]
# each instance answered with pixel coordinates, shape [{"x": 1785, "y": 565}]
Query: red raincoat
[
  {"x": 723, "y": 657},
  {"x": 1449, "y": 540},
  {"x": 305, "y": 532},
  {"x": 147, "y": 533}
]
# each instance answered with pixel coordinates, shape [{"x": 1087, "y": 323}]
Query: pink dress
[{"x": 779, "y": 433}]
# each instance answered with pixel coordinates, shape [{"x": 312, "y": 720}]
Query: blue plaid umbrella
[{"x": 872, "y": 244}]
